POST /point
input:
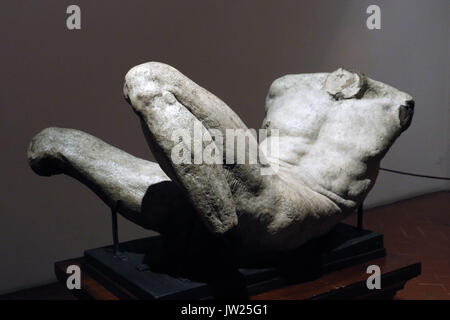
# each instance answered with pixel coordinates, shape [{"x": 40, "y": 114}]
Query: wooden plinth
[{"x": 348, "y": 283}]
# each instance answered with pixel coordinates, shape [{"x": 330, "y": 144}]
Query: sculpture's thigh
[
  {"x": 169, "y": 128},
  {"x": 147, "y": 196},
  {"x": 168, "y": 101}
]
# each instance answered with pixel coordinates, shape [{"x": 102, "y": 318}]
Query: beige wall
[{"x": 55, "y": 77}]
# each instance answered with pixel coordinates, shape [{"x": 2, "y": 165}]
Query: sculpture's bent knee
[{"x": 146, "y": 81}]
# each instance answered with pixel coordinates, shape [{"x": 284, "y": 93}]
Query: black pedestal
[{"x": 134, "y": 268}]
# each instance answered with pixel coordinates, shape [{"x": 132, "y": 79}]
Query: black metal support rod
[
  {"x": 360, "y": 217},
  {"x": 115, "y": 228}
]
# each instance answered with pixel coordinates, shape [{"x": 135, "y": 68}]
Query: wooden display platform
[
  {"x": 348, "y": 283},
  {"x": 202, "y": 277}
]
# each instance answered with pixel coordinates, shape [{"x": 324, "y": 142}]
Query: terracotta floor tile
[{"x": 418, "y": 228}]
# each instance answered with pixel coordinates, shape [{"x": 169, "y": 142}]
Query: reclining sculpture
[{"x": 333, "y": 130}]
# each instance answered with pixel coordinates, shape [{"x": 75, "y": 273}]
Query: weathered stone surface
[
  {"x": 334, "y": 128},
  {"x": 147, "y": 195}
]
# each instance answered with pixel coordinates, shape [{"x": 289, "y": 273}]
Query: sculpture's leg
[
  {"x": 156, "y": 77},
  {"x": 161, "y": 115},
  {"x": 147, "y": 196},
  {"x": 205, "y": 184},
  {"x": 155, "y": 80}
]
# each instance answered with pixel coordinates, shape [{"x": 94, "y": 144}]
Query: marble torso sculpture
[{"x": 334, "y": 128}]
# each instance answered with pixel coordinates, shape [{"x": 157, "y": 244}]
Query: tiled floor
[{"x": 418, "y": 228}]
